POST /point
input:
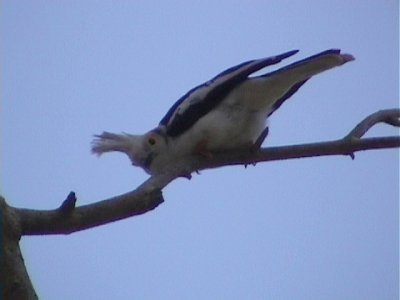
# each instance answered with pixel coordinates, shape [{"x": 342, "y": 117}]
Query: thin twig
[
  {"x": 69, "y": 204},
  {"x": 388, "y": 116}
]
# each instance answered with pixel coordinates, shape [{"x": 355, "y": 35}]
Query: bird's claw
[
  {"x": 189, "y": 176},
  {"x": 253, "y": 164},
  {"x": 257, "y": 144}
]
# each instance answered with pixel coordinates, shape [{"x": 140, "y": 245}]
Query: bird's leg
[
  {"x": 257, "y": 144},
  {"x": 201, "y": 149},
  {"x": 260, "y": 139}
]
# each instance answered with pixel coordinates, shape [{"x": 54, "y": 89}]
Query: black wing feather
[
  {"x": 218, "y": 88},
  {"x": 296, "y": 86},
  {"x": 299, "y": 62}
]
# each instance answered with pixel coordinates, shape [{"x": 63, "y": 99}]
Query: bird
[{"x": 227, "y": 113}]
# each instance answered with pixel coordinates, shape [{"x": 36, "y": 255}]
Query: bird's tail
[
  {"x": 313, "y": 65},
  {"x": 107, "y": 142},
  {"x": 275, "y": 87}
]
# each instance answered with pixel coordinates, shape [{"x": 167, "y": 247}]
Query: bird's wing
[
  {"x": 290, "y": 78},
  {"x": 203, "y": 98},
  {"x": 297, "y": 85}
]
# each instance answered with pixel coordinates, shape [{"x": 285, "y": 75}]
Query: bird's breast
[{"x": 225, "y": 128}]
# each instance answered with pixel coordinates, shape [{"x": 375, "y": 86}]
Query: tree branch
[
  {"x": 14, "y": 280},
  {"x": 68, "y": 218},
  {"x": 15, "y": 222},
  {"x": 145, "y": 198},
  {"x": 388, "y": 116}
]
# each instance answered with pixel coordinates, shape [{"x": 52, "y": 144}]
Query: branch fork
[{"x": 68, "y": 218}]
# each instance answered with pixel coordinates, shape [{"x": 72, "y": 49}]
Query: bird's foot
[
  {"x": 253, "y": 164},
  {"x": 189, "y": 176},
  {"x": 202, "y": 149},
  {"x": 257, "y": 144}
]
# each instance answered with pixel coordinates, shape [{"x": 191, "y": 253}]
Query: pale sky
[{"x": 317, "y": 228}]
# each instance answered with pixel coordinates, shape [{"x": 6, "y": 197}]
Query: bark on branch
[
  {"x": 15, "y": 222},
  {"x": 14, "y": 279}
]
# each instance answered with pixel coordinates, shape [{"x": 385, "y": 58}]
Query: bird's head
[
  {"x": 141, "y": 149},
  {"x": 145, "y": 148}
]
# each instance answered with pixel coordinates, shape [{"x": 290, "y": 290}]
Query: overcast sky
[{"x": 317, "y": 228}]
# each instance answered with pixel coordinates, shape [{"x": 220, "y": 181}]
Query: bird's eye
[{"x": 152, "y": 141}]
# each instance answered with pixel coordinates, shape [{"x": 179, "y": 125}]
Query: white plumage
[{"x": 228, "y": 112}]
